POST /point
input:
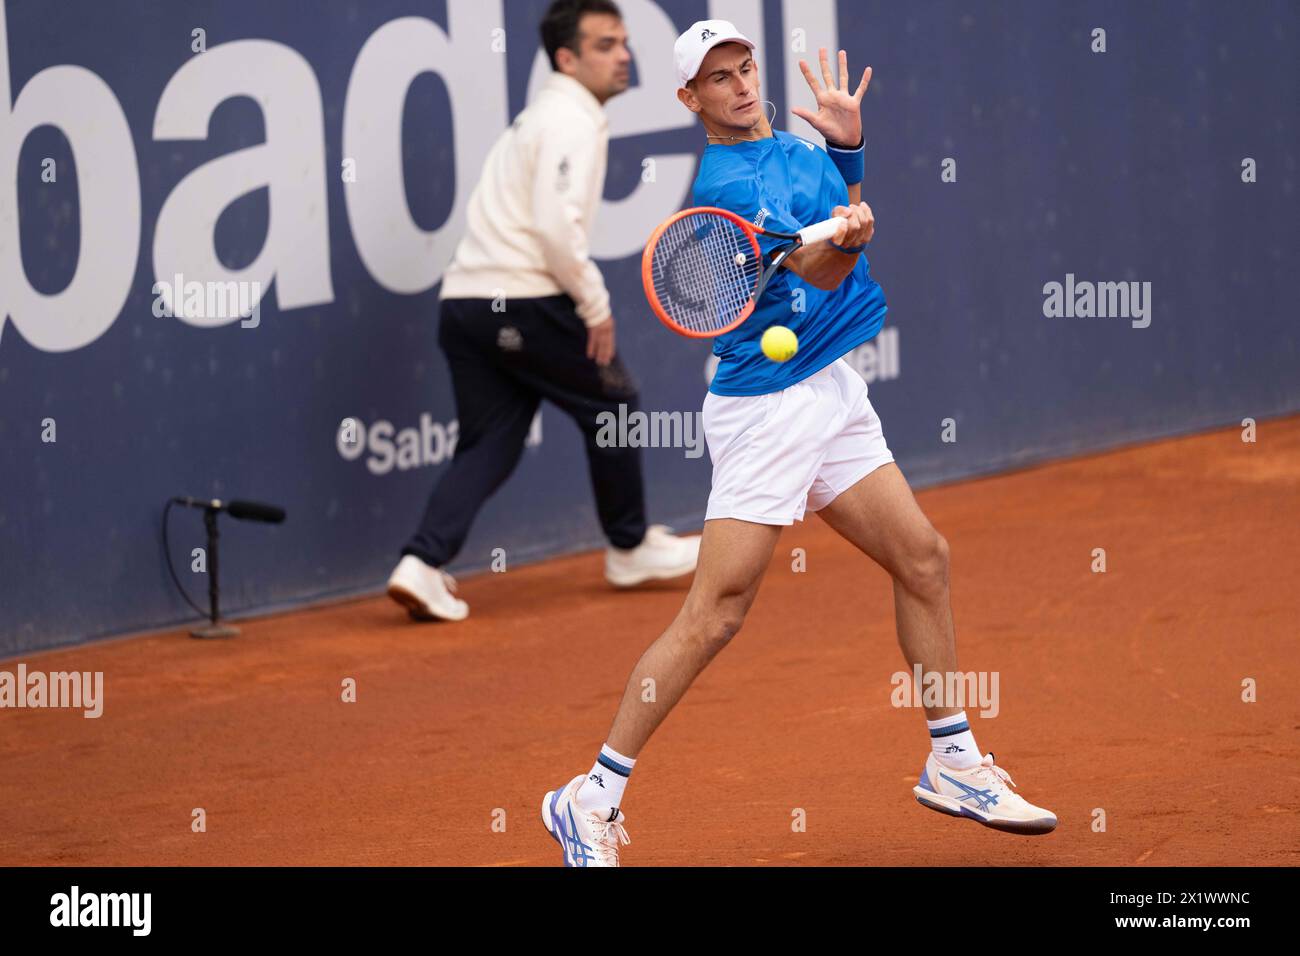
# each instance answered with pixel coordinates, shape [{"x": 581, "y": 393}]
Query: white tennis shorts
[{"x": 778, "y": 454}]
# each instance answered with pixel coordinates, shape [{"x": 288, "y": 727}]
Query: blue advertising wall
[{"x": 327, "y": 150}]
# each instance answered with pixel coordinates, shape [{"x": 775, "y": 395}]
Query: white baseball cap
[{"x": 693, "y": 45}]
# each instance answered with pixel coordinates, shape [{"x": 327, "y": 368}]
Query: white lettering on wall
[
  {"x": 400, "y": 255},
  {"x": 290, "y": 164},
  {"x": 84, "y": 109}
]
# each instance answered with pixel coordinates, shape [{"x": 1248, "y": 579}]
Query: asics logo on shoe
[
  {"x": 984, "y": 798},
  {"x": 573, "y": 844},
  {"x": 600, "y": 780},
  {"x": 953, "y": 749}
]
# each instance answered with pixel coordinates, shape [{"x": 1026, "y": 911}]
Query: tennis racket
[{"x": 703, "y": 271}]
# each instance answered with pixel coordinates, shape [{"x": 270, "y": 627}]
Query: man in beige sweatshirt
[{"x": 525, "y": 315}]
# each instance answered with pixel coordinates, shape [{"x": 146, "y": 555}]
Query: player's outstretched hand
[
  {"x": 859, "y": 225},
  {"x": 839, "y": 112},
  {"x": 600, "y": 342}
]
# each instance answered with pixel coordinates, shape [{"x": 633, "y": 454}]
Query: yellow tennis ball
[{"x": 779, "y": 343}]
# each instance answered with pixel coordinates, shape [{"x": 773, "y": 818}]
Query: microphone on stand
[{"x": 240, "y": 510}]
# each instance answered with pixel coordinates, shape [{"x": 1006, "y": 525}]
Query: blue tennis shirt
[{"x": 786, "y": 183}]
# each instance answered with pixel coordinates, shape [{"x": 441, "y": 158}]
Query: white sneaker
[
  {"x": 425, "y": 591},
  {"x": 661, "y": 555},
  {"x": 586, "y": 839},
  {"x": 981, "y": 793}
]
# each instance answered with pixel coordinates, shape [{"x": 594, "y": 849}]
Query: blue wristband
[
  {"x": 850, "y": 161},
  {"x": 851, "y": 251}
]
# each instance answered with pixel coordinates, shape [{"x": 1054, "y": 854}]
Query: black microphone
[{"x": 242, "y": 510}]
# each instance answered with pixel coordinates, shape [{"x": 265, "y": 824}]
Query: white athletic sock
[
  {"x": 953, "y": 743},
  {"x": 602, "y": 791}
]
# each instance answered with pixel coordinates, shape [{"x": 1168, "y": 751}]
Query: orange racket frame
[{"x": 647, "y": 278}]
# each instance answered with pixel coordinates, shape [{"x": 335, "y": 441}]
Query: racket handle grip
[{"x": 819, "y": 231}]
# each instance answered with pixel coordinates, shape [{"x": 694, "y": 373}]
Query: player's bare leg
[
  {"x": 880, "y": 516},
  {"x": 733, "y": 556},
  {"x": 584, "y": 816}
]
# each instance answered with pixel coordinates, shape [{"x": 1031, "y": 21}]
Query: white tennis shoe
[
  {"x": 425, "y": 592},
  {"x": 981, "y": 793},
  {"x": 660, "y": 555},
  {"x": 586, "y": 838}
]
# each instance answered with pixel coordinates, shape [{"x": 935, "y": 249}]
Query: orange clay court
[{"x": 1120, "y": 691}]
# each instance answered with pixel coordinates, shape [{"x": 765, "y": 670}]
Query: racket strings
[{"x": 704, "y": 270}]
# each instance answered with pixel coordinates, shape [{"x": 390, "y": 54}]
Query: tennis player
[
  {"x": 786, "y": 438},
  {"x": 525, "y": 315}
]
